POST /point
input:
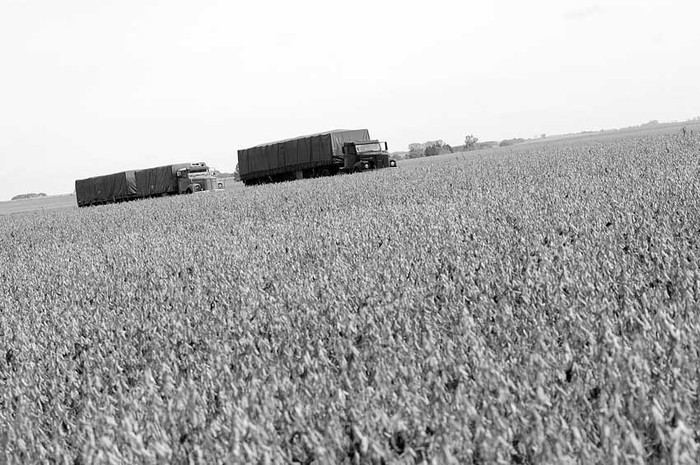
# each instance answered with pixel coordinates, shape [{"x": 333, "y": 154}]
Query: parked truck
[
  {"x": 323, "y": 154},
  {"x": 182, "y": 178}
]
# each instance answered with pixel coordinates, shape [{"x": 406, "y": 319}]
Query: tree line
[{"x": 30, "y": 195}]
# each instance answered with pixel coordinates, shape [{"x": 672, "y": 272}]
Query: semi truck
[
  {"x": 322, "y": 154},
  {"x": 181, "y": 178}
]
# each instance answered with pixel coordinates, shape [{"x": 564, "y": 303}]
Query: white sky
[{"x": 90, "y": 87}]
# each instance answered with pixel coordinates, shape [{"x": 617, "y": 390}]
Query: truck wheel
[{"x": 189, "y": 190}]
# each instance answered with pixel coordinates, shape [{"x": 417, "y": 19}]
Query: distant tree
[
  {"x": 31, "y": 195},
  {"x": 415, "y": 153},
  {"x": 432, "y": 150},
  {"x": 428, "y": 149},
  {"x": 470, "y": 142},
  {"x": 237, "y": 174}
]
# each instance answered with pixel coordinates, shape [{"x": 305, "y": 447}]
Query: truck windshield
[
  {"x": 197, "y": 171},
  {"x": 363, "y": 148}
]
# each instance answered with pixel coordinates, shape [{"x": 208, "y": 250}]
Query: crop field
[
  {"x": 38, "y": 206},
  {"x": 534, "y": 304}
]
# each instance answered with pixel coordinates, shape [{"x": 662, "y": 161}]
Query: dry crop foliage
[{"x": 526, "y": 305}]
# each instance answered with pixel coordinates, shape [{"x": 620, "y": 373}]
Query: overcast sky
[{"x": 91, "y": 87}]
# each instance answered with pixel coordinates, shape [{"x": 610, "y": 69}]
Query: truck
[
  {"x": 181, "y": 178},
  {"x": 323, "y": 154}
]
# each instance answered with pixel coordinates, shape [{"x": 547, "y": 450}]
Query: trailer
[
  {"x": 322, "y": 154},
  {"x": 181, "y": 178}
]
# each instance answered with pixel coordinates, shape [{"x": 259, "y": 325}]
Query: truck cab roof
[{"x": 362, "y": 142}]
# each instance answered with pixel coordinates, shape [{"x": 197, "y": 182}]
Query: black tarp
[
  {"x": 296, "y": 154},
  {"x": 128, "y": 184},
  {"x": 159, "y": 180},
  {"x": 107, "y": 188}
]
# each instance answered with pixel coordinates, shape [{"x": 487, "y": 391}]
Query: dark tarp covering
[
  {"x": 157, "y": 181},
  {"x": 296, "y": 154},
  {"x": 107, "y": 188},
  {"x": 128, "y": 184}
]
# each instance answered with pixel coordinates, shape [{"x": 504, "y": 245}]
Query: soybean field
[{"x": 529, "y": 304}]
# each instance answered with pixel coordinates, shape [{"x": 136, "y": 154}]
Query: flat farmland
[
  {"x": 40, "y": 205},
  {"x": 534, "y": 304},
  {"x": 44, "y": 205}
]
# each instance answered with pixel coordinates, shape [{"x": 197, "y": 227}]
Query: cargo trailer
[
  {"x": 181, "y": 178},
  {"x": 322, "y": 154}
]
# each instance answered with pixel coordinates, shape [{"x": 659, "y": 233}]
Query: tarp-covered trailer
[
  {"x": 299, "y": 157},
  {"x": 151, "y": 182},
  {"x": 106, "y": 189},
  {"x": 158, "y": 181}
]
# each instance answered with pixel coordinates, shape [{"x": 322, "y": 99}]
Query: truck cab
[
  {"x": 366, "y": 155},
  {"x": 195, "y": 178}
]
